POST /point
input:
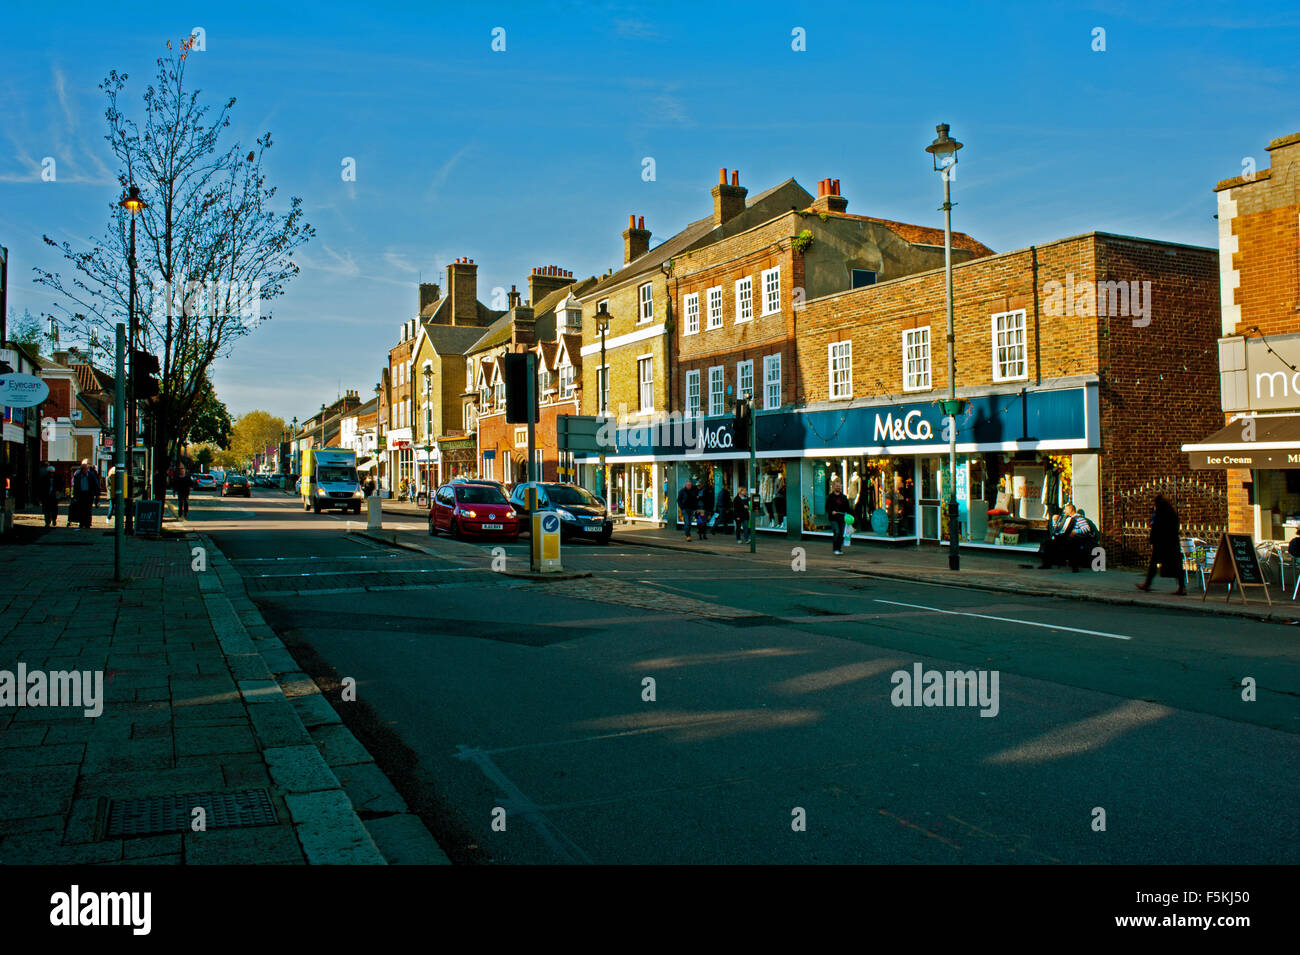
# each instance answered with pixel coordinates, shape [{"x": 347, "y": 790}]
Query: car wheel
[
  {"x": 316, "y": 507},
  {"x": 433, "y": 528},
  {"x": 356, "y": 508},
  {"x": 606, "y": 537},
  {"x": 454, "y": 530}
]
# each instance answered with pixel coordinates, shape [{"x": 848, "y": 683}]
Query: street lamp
[
  {"x": 602, "y": 383},
  {"x": 293, "y": 469},
  {"x": 322, "y": 426},
  {"x": 944, "y": 151},
  {"x": 133, "y": 204}
]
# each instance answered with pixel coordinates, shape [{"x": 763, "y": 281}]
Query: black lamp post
[
  {"x": 133, "y": 204},
  {"x": 944, "y": 151},
  {"x": 602, "y": 382}
]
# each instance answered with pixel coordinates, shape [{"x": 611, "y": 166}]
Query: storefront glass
[
  {"x": 641, "y": 500},
  {"x": 880, "y": 490},
  {"x": 1005, "y": 499}
]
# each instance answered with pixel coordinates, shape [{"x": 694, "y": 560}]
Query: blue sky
[{"x": 533, "y": 156}]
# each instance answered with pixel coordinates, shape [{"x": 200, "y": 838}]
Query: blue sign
[{"x": 550, "y": 523}]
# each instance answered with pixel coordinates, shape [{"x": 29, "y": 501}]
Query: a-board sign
[
  {"x": 148, "y": 517},
  {"x": 1236, "y": 560}
]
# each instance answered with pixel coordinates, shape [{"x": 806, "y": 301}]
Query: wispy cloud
[{"x": 444, "y": 171}]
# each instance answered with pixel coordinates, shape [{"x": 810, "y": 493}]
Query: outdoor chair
[{"x": 1196, "y": 557}]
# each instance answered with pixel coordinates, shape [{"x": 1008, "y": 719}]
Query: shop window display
[{"x": 880, "y": 490}]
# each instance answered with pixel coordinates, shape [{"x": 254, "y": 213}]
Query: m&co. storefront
[{"x": 1021, "y": 457}]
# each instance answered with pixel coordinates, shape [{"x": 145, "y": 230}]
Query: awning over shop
[
  {"x": 367, "y": 465},
  {"x": 1266, "y": 442}
]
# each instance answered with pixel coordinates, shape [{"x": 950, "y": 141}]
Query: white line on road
[{"x": 1026, "y": 623}]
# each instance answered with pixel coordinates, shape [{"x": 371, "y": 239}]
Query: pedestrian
[
  {"x": 687, "y": 502},
  {"x": 1166, "y": 546},
  {"x": 85, "y": 493},
  {"x": 47, "y": 490},
  {"x": 837, "y": 505},
  {"x": 112, "y": 498},
  {"x": 740, "y": 510},
  {"x": 1054, "y": 550},
  {"x": 182, "y": 485}
]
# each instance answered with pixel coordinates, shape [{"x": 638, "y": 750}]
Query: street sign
[
  {"x": 148, "y": 518},
  {"x": 546, "y": 541},
  {"x": 22, "y": 391}
]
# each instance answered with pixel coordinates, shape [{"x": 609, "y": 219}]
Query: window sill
[
  {"x": 744, "y": 321},
  {"x": 775, "y": 311},
  {"x": 913, "y": 391}
]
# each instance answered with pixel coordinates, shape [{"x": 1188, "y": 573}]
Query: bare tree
[{"x": 212, "y": 247}]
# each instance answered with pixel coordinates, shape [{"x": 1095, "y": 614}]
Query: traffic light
[
  {"x": 740, "y": 425},
  {"x": 520, "y": 373},
  {"x": 144, "y": 367}
]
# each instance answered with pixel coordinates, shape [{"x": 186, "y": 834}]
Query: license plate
[
  {"x": 593, "y": 528},
  {"x": 491, "y": 527}
]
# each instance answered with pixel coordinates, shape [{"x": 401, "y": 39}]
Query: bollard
[{"x": 374, "y": 513}]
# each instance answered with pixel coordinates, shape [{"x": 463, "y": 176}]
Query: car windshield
[
  {"x": 480, "y": 494},
  {"x": 336, "y": 474},
  {"x": 569, "y": 494}
]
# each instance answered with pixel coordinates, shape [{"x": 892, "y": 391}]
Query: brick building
[
  {"x": 1084, "y": 361},
  {"x": 732, "y": 286},
  {"x": 1256, "y": 444},
  {"x": 549, "y": 325}
]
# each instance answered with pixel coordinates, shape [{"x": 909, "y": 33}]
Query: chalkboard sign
[
  {"x": 1236, "y": 560},
  {"x": 148, "y": 518},
  {"x": 1246, "y": 558}
]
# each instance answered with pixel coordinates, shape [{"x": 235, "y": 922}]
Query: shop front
[
  {"x": 1021, "y": 457},
  {"x": 1266, "y": 447}
]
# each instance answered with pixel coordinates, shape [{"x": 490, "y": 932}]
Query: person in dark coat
[
  {"x": 48, "y": 487},
  {"x": 85, "y": 492},
  {"x": 1166, "y": 546},
  {"x": 687, "y": 502},
  {"x": 837, "y": 505},
  {"x": 740, "y": 511},
  {"x": 181, "y": 485}
]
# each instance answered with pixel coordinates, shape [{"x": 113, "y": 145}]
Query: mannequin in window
[
  {"x": 854, "y": 493},
  {"x": 778, "y": 498}
]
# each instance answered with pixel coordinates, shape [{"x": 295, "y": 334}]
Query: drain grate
[{"x": 158, "y": 814}]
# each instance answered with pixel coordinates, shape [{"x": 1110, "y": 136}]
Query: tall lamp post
[
  {"x": 293, "y": 466},
  {"x": 944, "y": 151},
  {"x": 427, "y": 418},
  {"x": 133, "y": 204},
  {"x": 602, "y": 385}
]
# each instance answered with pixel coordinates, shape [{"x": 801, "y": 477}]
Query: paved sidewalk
[
  {"x": 198, "y": 696},
  {"x": 1014, "y": 573}
]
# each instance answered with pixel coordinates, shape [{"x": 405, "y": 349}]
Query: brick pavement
[{"x": 199, "y": 696}]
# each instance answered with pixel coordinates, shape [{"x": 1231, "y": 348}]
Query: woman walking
[
  {"x": 837, "y": 505},
  {"x": 1166, "y": 546}
]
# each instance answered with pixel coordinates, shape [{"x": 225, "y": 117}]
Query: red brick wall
[
  {"x": 58, "y": 403},
  {"x": 1269, "y": 262}
]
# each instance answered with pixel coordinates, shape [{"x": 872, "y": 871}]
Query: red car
[{"x": 463, "y": 509}]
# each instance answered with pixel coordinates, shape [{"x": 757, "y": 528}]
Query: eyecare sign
[{"x": 22, "y": 391}]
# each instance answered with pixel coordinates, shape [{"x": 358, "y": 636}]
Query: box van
[{"x": 329, "y": 479}]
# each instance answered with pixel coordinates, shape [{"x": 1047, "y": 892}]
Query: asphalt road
[{"x": 772, "y": 694}]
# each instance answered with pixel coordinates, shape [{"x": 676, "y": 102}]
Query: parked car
[
  {"x": 581, "y": 513},
  {"x": 465, "y": 508},
  {"x": 205, "y": 482},
  {"x": 236, "y": 485}
]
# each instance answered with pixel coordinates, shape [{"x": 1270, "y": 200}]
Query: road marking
[
  {"x": 364, "y": 573},
  {"x": 518, "y": 803},
  {"x": 1026, "y": 623}
]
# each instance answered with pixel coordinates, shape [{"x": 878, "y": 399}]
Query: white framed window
[
  {"x": 645, "y": 374},
  {"x": 717, "y": 381},
  {"x": 500, "y": 395},
  {"x": 566, "y": 381},
  {"x": 715, "y": 306},
  {"x": 916, "y": 359},
  {"x": 544, "y": 381},
  {"x": 602, "y": 389},
  {"x": 745, "y": 299},
  {"x": 841, "y": 369},
  {"x": 537, "y": 464},
  {"x": 487, "y": 467},
  {"x": 771, "y": 291},
  {"x": 693, "y": 394},
  {"x": 744, "y": 378},
  {"x": 691, "y": 306},
  {"x": 771, "y": 382},
  {"x": 1010, "y": 360},
  {"x": 646, "y": 303},
  {"x": 521, "y": 437}
]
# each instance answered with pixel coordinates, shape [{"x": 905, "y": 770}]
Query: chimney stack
[
  {"x": 829, "y": 198},
  {"x": 462, "y": 289},
  {"x": 524, "y": 326},
  {"x": 636, "y": 240},
  {"x": 728, "y": 200},
  {"x": 429, "y": 293},
  {"x": 513, "y": 297},
  {"x": 61, "y": 357},
  {"x": 546, "y": 279}
]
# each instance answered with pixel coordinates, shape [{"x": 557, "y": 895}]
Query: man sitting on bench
[{"x": 1072, "y": 543}]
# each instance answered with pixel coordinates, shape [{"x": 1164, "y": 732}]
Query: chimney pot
[
  {"x": 631, "y": 222},
  {"x": 640, "y": 222},
  {"x": 735, "y": 177},
  {"x": 835, "y": 186},
  {"x": 722, "y": 177}
]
